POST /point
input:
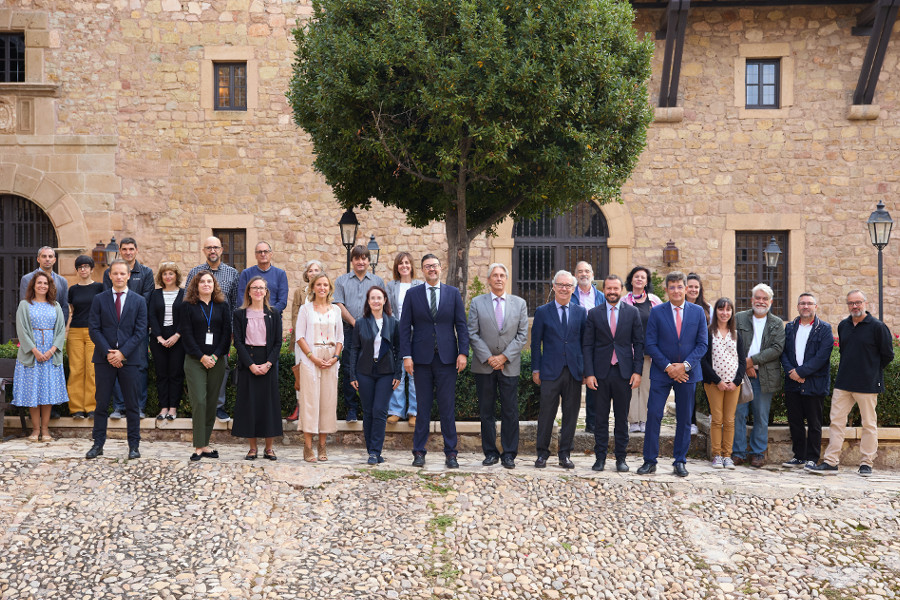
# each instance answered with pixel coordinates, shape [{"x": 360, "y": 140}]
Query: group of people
[{"x": 402, "y": 345}]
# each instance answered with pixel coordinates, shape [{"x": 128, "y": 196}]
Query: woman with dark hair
[
  {"x": 257, "y": 340},
  {"x": 39, "y": 381},
  {"x": 205, "y": 328},
  {"x": 404, "y": 280},
  {"x": 164, "y": 315},
  {"x": 82, "y": 386},
  {"x": 723, "y": 370},
  {"x": 693, "y": 293},
  {"x": 311, "y": 270},
  {"x": 640, "y": 295},
  {"x": 375, "y": 366}
]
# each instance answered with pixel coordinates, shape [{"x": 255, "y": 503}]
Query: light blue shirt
[{"x": 559, "y": 310}]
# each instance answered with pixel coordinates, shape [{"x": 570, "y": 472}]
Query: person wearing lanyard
[{"x": 205, "y": 328}]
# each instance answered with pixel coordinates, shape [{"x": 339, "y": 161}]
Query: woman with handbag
[{"x": 723, "y": 370}]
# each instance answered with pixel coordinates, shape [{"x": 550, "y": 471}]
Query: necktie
[
  {"x": 433, "y": 302},
  {"x": 119, "y": 306},
  {"x": 612, "y": 329},
  {"x": 678, "y": 320},
  {"x": 498, "y": 312},
  {"x": 565, "y": 321}
]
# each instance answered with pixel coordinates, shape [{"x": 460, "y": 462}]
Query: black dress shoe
[
  {"x": 490, "y": 460},
  {"x": 566, "y": 463},
  {"x": 418, "y": 459},
  {"x": 599, "y": 464},
  {"x": 646, "y": 469},
  {"x": 508, "y": 462},
  {"x": 133, "y": 453},
  {"x": 451, "y": 462},
  {"x": 195, "y": 457},
  {"x": 373, "y": 459},
  {"x": 213, "y": 454},
  {"x": 589, "y": 429},
  {"x": 680, "y": 469},
  {"x": 621, "y": 465},
  {"x": 94, "y": 452},
  {"x": 541, "y": 462}
]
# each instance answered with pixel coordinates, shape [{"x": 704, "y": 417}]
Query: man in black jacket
[{"x": 866, "y": 349}]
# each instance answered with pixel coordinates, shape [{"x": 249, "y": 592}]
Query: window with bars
[
  {"x": 763, "y": 83},
  {"x": 750, "y": 269},
  {"x": 548, "y": 244},
  {"x": 234, "y": 247},
  {"x": 12, "y": 57},
  {"x": 231, "y": 86}
]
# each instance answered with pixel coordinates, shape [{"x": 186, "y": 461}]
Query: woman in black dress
[{"x": 257, "y": 339}]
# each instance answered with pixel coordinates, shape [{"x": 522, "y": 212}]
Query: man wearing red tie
[{"x": 676, "y": 340}]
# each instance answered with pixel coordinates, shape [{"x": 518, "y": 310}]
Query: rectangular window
[
  {"x": 750, "y": 269},
  {"x": 234, "y": 247},
  {"x": 12, "y": 57},
  {"x": 231, "y": 86},
  {"x": 763, "y": 83}
]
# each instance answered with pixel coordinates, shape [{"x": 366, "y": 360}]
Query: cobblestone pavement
[{"x": 162, "y": 528}]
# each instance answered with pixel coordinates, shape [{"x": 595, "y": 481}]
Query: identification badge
[{"x": 209, "y": 338}]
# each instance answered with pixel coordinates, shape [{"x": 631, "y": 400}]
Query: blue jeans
[
  {"x": 759, "y": 437},
  {"x": 374, "y": 393},
  {"x": 397, "y": 404}
]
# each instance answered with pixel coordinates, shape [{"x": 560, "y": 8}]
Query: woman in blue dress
[{"x": 39, "y": 381}]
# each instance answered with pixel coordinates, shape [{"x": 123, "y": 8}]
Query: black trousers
[
  {"x": 129, "y": 379},
  {"x": 567, "y": 390},
  {"x": 169, "y": 366},
  {"x": 435, "y": 381},
  {"x": 490, "y": 387},
  {"x": 351, "y": 398},
  {"x": 617, "y": 391},
  {"x": 804, "y": 415}
]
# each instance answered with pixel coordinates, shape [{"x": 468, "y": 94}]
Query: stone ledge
[
  {"x": 669, "y": 114},
  {"x": 863, "y": 112},
  {"x": 29, "y": 88}
]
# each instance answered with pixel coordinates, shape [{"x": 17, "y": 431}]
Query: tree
[{"x": 467, "y": 111}]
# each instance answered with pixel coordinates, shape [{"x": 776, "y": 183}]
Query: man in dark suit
[
  {"x": 557, "y": 365},
  {"x": 676, "y": 340},
  {"x": 434, "y": 342},
  {"x": 118, "y": 328},
  {"x": 613, "y": 361}
]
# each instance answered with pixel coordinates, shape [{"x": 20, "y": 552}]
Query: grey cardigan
[{"x": 26, "y": 335}]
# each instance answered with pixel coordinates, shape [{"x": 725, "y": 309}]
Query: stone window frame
[
  {"x": 228, "y": 54},
  {"x": 233, "y": 85},
  {"x": 778, "y": 50}
]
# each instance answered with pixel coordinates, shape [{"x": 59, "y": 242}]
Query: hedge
[{"x": 466, "y": 397}]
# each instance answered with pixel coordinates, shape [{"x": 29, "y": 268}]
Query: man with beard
[
  {"x": 762, "y": 334},
  {"x": 866, "y": 349},
  {"x": 613, "y": 361}
]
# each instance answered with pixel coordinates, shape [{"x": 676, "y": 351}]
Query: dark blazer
[
  {"x": 599, "y": 342},
  {"x": 709, "y": 375},
  {"x": 156, "y": 312},
  {"x": 664, "y": 346},
  {"x": 816, "y": 369},
  {"x": 127, "y": 334},
  {"x": 273, "y": 337},
  {"x": 362, "y": 347},
  {"x": 420, "y": 334},
  {"x": 597, "y": 296},
  {"x": 192, "y": 328},
  {"x": 551, "y": 348}
]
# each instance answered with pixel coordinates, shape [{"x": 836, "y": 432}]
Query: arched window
[
  {"x": 24, "y": 228},
  {"x": 548, "y": 244}
]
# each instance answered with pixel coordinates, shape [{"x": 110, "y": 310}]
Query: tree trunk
[{"x": 457, "y": 248}]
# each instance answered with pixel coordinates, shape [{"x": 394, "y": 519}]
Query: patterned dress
[{"x": 44, "y": 383}]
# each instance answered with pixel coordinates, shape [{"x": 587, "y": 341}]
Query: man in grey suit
[{"x": 498, "y": 329}]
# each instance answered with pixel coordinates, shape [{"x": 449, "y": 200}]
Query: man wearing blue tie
[{"x": 676, "y": 340}]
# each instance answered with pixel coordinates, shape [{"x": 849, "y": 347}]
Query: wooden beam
[
  {"x": 884, "y": 17},
  {"x": 675, "y": 20}
]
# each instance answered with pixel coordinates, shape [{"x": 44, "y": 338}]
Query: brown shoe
[
  {"x": 393, "y": 418},
  {"x": 737, "y": 460},
  {"x": 758, "y": 460},
  {"x": 323, "y": 454},
  {"x": 412, "y": 420}
]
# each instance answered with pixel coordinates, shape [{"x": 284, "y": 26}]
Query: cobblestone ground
[{"x": 162, "y": 528}]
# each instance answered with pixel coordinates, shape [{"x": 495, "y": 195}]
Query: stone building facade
[{"x": 114, "y": 132}]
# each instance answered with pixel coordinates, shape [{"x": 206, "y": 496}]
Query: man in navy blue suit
[
  {"x": 676, "y": 340},
  {"x": 557, "y": 365},
  {"x": 588, "y": 296},
  {"x": 118, "y": 327},
  {"x": 434, "y": 342},
  {"x": 613, "y": 361}
]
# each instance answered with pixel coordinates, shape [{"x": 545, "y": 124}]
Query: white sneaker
[
  {"x": 728, "y": 463},
  {"x": 694, "y": 430},
  {"x": 634, "y": 428},
  {"x": 643, "y": 426},
  {"x": 718, "y": 462}
]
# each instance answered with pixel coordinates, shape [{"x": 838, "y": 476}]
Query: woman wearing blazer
[
  {"x": 374, "y": 367},
  {"x": 404, "y": 280},
  {"x": 257, "y": 339},
  {"x": 164, "y": 315}
]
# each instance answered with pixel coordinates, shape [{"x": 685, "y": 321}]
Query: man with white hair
[{"x": 762, "y": 334}]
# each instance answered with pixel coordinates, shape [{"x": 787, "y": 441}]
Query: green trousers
[{"x": 203, "y": 389}]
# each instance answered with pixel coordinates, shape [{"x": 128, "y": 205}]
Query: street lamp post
[
  {"x": 374, "y": 251},
  {"x": 348, "y": 225},
  {"x": 772, "y": 253},
  {"x": 880, "y": 224}
]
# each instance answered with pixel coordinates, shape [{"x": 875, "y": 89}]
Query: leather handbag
[{"x": 746, "y": 391}]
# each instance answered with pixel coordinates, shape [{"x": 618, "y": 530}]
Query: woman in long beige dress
[
  {"x": 320, "y": 336},
  {"x": 310, "y": 270}
]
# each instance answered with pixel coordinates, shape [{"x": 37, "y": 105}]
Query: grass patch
[
  {"x": 440, "y": 522},
  {"x": 387, "y": 474},
  {"x": 566, "y": 545}
]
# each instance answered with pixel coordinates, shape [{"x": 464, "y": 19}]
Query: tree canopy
[{"x": 467, "y": 111}]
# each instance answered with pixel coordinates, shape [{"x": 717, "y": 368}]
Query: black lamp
[{"x": 349, "y": 225}]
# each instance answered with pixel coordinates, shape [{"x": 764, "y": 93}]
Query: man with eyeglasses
[
  {"x": 807, "y": 376},
  {"x": 275, "y": 278},
  {"x": 227, "y": 278},
  {"x": 866, "y": 349}
]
